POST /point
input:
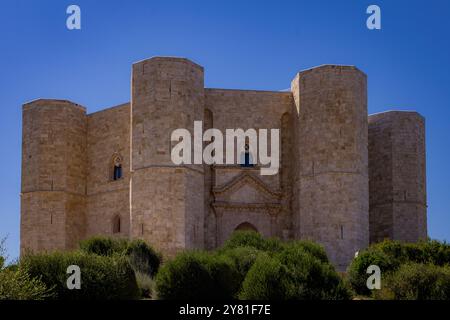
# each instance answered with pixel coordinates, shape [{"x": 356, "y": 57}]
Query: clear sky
[{"x": 242, "y": 44}]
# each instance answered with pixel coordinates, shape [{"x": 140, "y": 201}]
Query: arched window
[
  {"x": 116, "y": 224},
  {"x": 117, "y": 171},
  {"x": 246, "y": 226},
  {"x": 116, "y": 168},
  {"x": 246, "y": 157}
]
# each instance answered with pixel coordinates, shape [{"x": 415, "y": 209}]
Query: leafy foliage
[
  {"x": 18, "y": 285},
  {"x": 252, "y": 239},
  {"x": 102, "y": 277},
  {"x": 391, "y": 256},
  {"x": 103, "y": 246},
  {"x": 197, "y": 276},
  {"x": 143, "y": 258},
  {"x": 293, "y": 274},
  {"x": 415, "y": 281}
]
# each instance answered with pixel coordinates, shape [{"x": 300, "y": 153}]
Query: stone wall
[{"x": 108, "y": 137}]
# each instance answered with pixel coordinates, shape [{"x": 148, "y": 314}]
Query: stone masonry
[{"x": 346, "y": 179}]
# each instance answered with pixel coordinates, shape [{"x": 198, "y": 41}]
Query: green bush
[
  {"x": 143, "y": 258},
  {"x": 102, "y": 277},
  {"x": 435, "y": 252},
  {"x": 103, "y": 246},
  {"x": 357, "y": 271},
  {"x": 252, "y": 239},
  {"x": 391, "y": 255},
  {"x": 18, "y": 285},
  {"x": 294, "y": 273},
  {"x": 197, "y": 276},
  {"x": 146, "y": 285},
  {"x": 243, "y": 258},
  {"x": 413, "y": 281},
  {"x": 316, "y": 250},
  {"x": 266, "y": 280},
  {"x": 311, "y": 276}
]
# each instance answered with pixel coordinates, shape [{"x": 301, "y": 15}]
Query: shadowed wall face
[{"x": 397, "y": 176}]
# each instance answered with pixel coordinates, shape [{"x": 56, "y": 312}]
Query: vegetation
[
  {"x": 146, "y": 285},
  {"x": 103, "y": 246},
  {"x": 251, "y": 267},
  {"x": 416, "y": 281},
  {"x": 18, "y": 285},
  {"x": 247, "y": 266},
  {"x": 102, "y": 277},
  {"x": 408, "y": 271},
  {"x": 141, "y": 256},
  {"x": 197, "y": 275}
]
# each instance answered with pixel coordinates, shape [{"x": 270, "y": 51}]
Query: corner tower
[
  {"x": 53, "y": 195},
  {"x": 331, "y": 186},
  {"x": 398, "y": 208},
  {"x": 166, "y": 199}
]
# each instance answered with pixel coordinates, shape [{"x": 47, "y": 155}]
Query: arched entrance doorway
[{"x": 246, "y": 226}]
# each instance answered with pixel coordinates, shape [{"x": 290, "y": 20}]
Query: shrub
[
  {"x": 294, "y": 273},
  {"x": 2, "y": 253},
  {"x": 252, "y": 239},
  {"x": 184, "y": 278},
  {"x": 18, "y": 285},
  {"x": 101, "y": 277},
  {"x": 435, "y": 252},
  {"x": 311, "y": 276},
  {"x": 357, "y": 271},
  {"x": 103, "y": 246},
  {"x": 391, "y": 255},
  {"x": 243, "y": 258},
  {"x": 197, "y": 276},
  {"x": 413, "y": 281},
  {"x": 225, "y": 276},
  {"x": 145, "y": 284},
  {"x": 265, "y": 280},
  {"x": 143, "y": 258},
  {"x": 316, "y": 250}
]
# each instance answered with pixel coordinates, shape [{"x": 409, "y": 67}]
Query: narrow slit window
[
  {"x": 246, "y": 157},
  {"x": 116, "y": 224},
  {"x": 117, "y": 171}
]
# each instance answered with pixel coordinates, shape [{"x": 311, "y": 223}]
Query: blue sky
[{"x": 241, "y": 44}]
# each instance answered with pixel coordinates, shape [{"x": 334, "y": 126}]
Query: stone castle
[{"x": 346, "y": 179}]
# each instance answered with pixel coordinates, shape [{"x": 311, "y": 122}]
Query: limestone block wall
[
  {"x": 333, "y": 162},
  {"x": 397, "y": 176},
  {"x": 167, "y": 94},
  {"x": 53, "y": 175},
  {"x": 108, "y": 137}
]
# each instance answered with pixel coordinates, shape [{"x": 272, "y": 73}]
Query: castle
[{"x": 345, "y": 180}]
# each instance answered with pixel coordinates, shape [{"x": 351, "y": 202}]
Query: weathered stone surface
[
  {"x": 397, "y": 176},
  {"x": 321, "y": 192}
]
